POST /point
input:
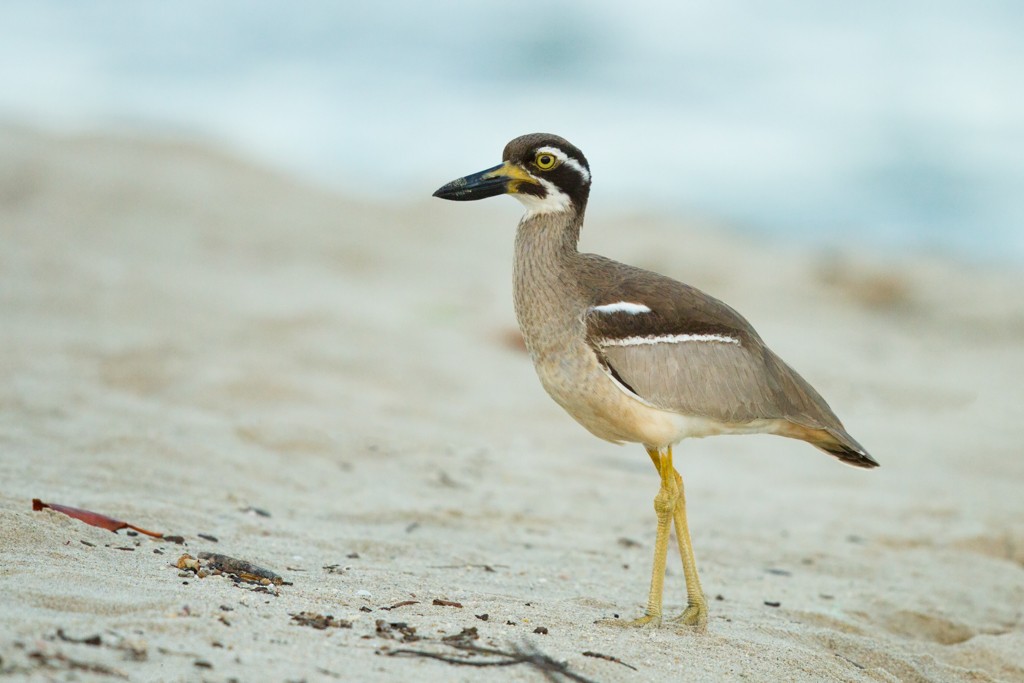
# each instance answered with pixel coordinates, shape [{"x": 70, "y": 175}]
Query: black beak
[{"x": 489, "y": 183}]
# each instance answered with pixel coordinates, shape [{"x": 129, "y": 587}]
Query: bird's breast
[{"x": 577, "y": 381}]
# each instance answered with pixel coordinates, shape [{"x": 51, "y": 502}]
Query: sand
[{"x": 186, "y": 337}]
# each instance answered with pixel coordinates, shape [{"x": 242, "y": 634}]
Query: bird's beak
[{"x": 502, "y": 179}]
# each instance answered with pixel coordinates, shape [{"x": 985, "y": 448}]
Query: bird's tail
[
  {"x": 843, "y": 446},
  {"x": 808, "y": 417},
  {"x": 833, "y": 440}
]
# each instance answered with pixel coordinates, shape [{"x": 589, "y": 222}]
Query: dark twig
[
  {"x": 528, "y": 655},
  {"x": 598, "y": 655},
  {"x": 447, "y": 603},
  {"x": 454, "y": 660}
]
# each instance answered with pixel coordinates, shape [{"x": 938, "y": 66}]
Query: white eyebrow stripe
[
  {"x": 621, "y": 307},
  {"x": 567, "y": 160},
  {"x": 670, "y": 339}
]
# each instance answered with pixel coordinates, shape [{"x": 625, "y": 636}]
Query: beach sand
[{"x": 188, "y": 340}]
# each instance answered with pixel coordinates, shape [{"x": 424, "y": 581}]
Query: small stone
[{"x": 186, "y": 561}]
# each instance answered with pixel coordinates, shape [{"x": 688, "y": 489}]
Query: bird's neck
[{"x": 547, "y": 296}]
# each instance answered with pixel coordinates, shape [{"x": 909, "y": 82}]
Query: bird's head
[{"x": 546, "y": 173}]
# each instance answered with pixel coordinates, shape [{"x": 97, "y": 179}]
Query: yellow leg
[
  {"x": 696, "y": 613},
  {"x": 669, "y": 505},
  {"x": 664, "y": 507}
]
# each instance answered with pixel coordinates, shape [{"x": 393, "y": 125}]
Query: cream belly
[{"x": 578, "y": 383}]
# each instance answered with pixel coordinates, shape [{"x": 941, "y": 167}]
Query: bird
[{"x": 635, "y": 356}]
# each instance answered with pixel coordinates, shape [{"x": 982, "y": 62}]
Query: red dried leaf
[{"x": 92, "y": 518}]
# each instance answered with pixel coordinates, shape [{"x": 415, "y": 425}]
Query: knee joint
[{"x": 665, "y": 501}]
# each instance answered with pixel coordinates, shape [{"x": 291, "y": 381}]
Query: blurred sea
[{"x": 898, "y": 125}]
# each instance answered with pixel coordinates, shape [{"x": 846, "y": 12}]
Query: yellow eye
[{"x": 545, "y": 161}]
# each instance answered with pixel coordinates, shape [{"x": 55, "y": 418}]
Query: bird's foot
[
  {"x": 693, "y": 619},
  {"x": 646, "y": 621}
]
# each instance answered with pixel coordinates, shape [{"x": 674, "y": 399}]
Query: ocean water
[{"x": 877, "y": 124}]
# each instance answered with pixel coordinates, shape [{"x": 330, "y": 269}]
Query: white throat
[{"x": 553, "y": 201}]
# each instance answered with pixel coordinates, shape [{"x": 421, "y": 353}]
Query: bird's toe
[{"x": 693, "y": 619}]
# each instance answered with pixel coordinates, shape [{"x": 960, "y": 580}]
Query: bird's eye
[{"x": 545, "y": 161}]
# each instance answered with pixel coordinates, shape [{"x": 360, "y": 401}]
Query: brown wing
[
  {"x": 720, "y": 380},
  {"x": 724, "y": 381},
  {"x": 676, "y": 308},
  {"x": 709, "y": 361}
]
